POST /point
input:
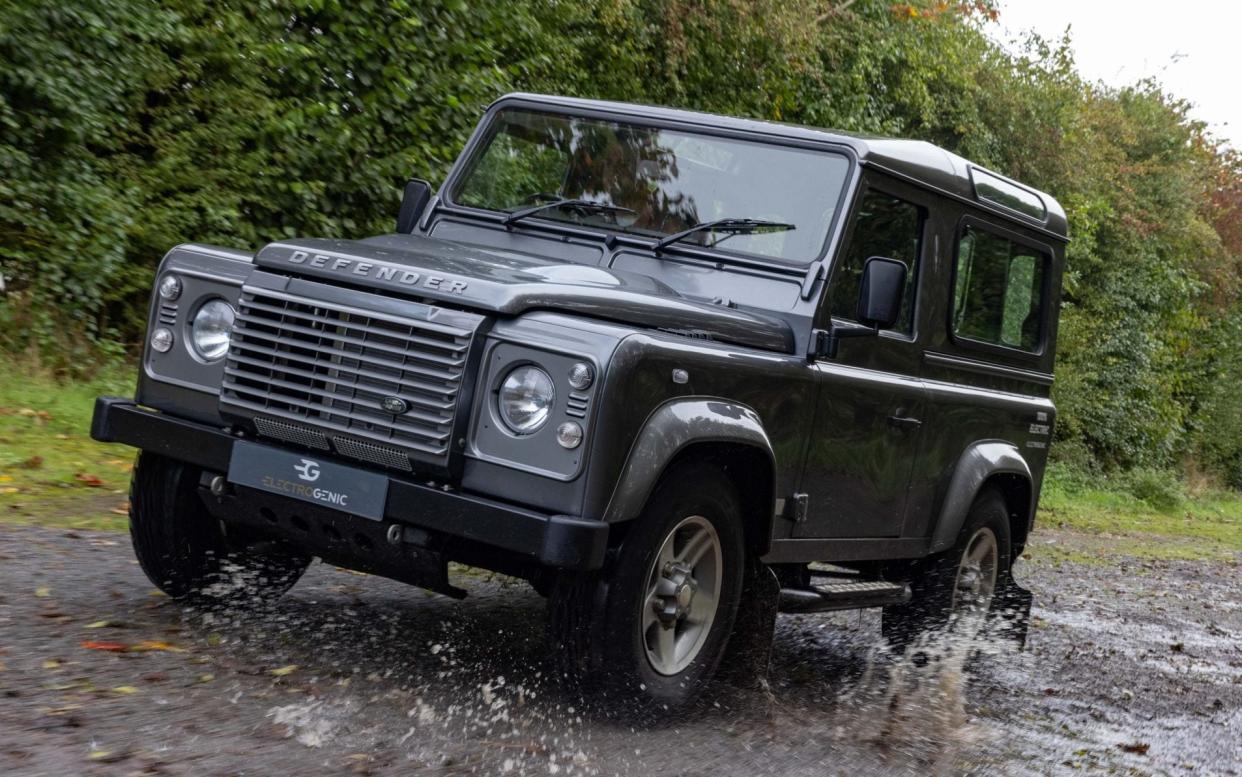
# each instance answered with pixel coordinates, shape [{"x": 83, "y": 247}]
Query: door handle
[{"x": 904, "y": 422}]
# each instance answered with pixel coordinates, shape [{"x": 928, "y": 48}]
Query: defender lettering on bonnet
[{"x": 347, "y": 266}]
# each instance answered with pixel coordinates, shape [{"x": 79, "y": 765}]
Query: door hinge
[{"x": 798, "y": 506}]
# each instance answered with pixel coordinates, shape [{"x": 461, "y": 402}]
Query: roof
[{"x": 922, "y": 162}]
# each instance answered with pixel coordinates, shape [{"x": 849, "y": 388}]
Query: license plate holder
[{"x": 310, "y": 479}]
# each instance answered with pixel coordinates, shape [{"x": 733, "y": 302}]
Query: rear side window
[
  {"x": 884, "y": 226},
  {"x": 998, "y": 291}
]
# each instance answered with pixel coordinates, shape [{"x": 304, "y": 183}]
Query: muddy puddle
[{"x": 1133, "y": 674}]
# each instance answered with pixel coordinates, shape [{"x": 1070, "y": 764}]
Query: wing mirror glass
[
  {"x": 413, "y": 202},
  {"x": 880, "y": 292}
]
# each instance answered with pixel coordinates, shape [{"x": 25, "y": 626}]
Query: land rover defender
[{"x": 677, "y": 370}]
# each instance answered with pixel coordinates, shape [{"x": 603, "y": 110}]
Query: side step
[{"x": 843, "y": 595}]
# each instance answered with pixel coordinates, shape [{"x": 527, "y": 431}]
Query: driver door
[{"x": 868, "y": 421}]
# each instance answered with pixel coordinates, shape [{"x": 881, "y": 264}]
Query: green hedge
[{"x": 127, "y": 126}]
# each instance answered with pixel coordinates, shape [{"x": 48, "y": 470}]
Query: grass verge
[
  {"x": 51, "y": 472},
  {"x": 1115, "y": 522}
]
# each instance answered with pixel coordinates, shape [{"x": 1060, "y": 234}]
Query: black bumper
[{"x": 553, "y": 540}]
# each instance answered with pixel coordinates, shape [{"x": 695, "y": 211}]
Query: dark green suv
[{"x": 676, "y": 370}]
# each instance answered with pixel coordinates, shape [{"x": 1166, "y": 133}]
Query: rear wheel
[
  {"x": 956, "y": 590},
  {"x": 656, "y": 621},
  {"x": 182, "y": 548}
]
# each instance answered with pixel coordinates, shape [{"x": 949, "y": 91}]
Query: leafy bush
[
  {"x": 128, "y": 126},
  {"x": 1160, "y": 489}
]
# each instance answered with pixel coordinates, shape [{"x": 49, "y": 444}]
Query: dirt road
[{"x": 1132, "y": 668}]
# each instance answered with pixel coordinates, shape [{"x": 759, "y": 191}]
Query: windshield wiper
[
  {"x": 568, "y": 203},
  {"x": 734, "y": 226}
]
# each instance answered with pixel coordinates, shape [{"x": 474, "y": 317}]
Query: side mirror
[
  {"x": 880, "y": 292},
  {"x": 413, "y": 202}
]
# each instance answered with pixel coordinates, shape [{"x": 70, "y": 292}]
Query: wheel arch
[
  {"x": 990, "y": 463},
  {"x": 726, "y": 433}
]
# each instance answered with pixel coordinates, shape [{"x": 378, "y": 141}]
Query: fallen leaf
[
  {"x": 1139, "y": 748},
  {"x": 96, "y": 625},
  {"x": 34, "y": 462},
  {"x": 43, "y": 592},
  {"x": 51, "y": 663},
  {"x": 3, "y": 667},
  {"x": 91, "y": 481},
  {"x": 109, "y": 647},
  {"x": 6, "y": 478},
  {"x": 206, "y": 678},
  {"x": 121, "y": 509},
  {"x": 125, "y": 689},
  {"x": 285, "y": 670},
  {"x": 153, "y": 644}
]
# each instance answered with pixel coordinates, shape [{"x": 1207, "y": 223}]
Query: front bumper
[{"x": 559, "y": 541}]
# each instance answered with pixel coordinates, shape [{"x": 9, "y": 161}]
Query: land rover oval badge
[{"x": 394, "y": 405}]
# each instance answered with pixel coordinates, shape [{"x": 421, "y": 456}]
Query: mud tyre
[
  {"x": 184, "y": 551},
  {"x": 958, "y": 589},
  {"x": 653, "y": 625}
]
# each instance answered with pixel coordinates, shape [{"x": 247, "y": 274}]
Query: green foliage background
[{"x": 127, "y": 126}]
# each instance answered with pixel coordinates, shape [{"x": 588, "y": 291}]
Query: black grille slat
[
  {"x": 323, "y": 368},
  {"x": 338, "y": 427}
]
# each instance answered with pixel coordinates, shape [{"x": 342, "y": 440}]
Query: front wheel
[
  {"x": 655, "y": 622},
  {"x": 182, "y": 548}
]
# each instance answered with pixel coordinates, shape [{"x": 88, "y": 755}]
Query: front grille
[{"x": 305, "y": 370}]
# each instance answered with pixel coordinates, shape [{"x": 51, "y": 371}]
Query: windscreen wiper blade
[
  {"x": 568, "y": 203},
  {"x": 734, "y": 226}
]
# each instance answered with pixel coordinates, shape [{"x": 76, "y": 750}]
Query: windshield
[{"x": 659, "y": 181}]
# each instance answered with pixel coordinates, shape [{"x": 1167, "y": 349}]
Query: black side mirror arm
[{"x": 824, "y": 342}]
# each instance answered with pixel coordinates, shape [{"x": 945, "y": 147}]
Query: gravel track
[{"x": 1131, "y": 668}]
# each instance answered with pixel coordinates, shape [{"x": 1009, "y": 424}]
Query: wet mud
[{"x": 1132, "y": 667}]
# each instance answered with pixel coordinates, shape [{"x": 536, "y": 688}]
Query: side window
[
  {"x": 883, "y": 226},
  {"x": 998, "y": 290}
]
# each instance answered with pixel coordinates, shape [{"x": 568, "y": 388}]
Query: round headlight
[
  {"x": 211, "y": 329},
  {"x": 526, "y": 397},
  {"x": 170, "y": 287}
]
